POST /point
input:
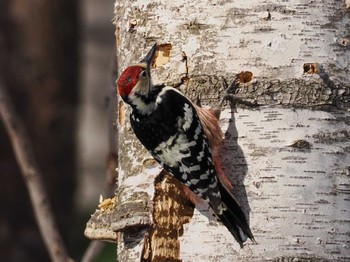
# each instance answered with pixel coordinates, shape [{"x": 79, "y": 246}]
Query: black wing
[{"x": 174, "y": 136}]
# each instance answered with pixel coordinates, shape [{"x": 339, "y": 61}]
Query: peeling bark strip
[{"x": 170, "y": 212}]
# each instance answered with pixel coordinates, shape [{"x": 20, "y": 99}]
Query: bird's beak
[{"x": 149, "y": 57}]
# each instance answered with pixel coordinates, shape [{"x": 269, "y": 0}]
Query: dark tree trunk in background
[{"x": 39, "y": 65}]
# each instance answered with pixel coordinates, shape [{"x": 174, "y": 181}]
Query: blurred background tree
[{"x": 42, "y": 47}]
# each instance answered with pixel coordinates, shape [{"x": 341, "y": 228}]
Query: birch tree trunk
[{"x": 289, "y": 161}]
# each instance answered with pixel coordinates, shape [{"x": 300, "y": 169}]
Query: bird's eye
[{"x": 143, "y": 74}]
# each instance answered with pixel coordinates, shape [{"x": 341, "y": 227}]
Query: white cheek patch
[{"x": 141, "y": 106}]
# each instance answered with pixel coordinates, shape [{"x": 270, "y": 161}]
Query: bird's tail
[{"x": 233, "y": 217}]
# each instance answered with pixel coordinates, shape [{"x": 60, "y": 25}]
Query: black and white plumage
[
  {"x": 168, "y": 125},
  {"x": 174, "y": 136}
]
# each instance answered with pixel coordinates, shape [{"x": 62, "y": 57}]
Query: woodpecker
[{"x": 179, "y": 136}]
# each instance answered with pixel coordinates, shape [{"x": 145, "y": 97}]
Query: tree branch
[
  {"x": 94, "y": 249},
  {"x": 32, "y": 176}
]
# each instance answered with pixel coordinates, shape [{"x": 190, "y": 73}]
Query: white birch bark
[{"x": 289, "y": 161}]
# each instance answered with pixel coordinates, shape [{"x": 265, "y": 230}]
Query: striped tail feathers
[
  {"x": 234, "y": 230},
  {"x": 234, "y": 212},
  {"x": 233, "y": 217}
]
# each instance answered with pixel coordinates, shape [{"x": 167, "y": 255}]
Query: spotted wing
[{"x": 174, "y": 136}]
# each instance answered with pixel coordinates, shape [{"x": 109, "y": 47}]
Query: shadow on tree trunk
[{"x": 234, "y": 164}]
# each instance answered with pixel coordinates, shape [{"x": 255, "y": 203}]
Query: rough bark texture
[
  {"x": 39, "y": 66},
  {"x": 288, "y": 161}
]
